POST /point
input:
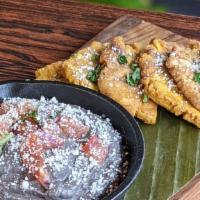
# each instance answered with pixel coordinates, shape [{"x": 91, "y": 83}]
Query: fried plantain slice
[
  {"x": 52, "y": 72},
  {"x": 160, "y": 86},
  {"x": 117, "y": 60},
  {"x": 183, "y": 65},
  {"x": 77, "y": 67}
]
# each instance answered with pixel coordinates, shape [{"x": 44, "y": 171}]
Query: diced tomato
[
  {"x": 51, "y": 127},
  {"x": 21, "y": 109},
  {"x": 71, "y": 128},
  {"x": 33, "y": 159},
  {"x": 48, "y": 140},
  {"x": 5, "y": 126},
  {"x": 32, "y": 154},
  {"x": 26, "y": 127},
  {"x": 43, "y": 177},
  {"x": 95, "y": 149}
]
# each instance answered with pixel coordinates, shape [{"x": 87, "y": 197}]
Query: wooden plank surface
[
  {"x": 37, "y": 32},
  {"x": 136, "y": 30},
  {"x": 190, "y": 191},
  {"x": 34, "y": 33}
]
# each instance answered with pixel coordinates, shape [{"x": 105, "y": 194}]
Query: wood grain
[
  {"x": 136, "y": 30},
  {"x": 190, "y": 191},
  {"x": 36, "y": 32}
]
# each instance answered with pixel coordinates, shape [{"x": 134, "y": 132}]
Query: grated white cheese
[{"x": 67, "y": 165}]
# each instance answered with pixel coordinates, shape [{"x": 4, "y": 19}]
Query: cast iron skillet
[{"x": 98, "y": 104}]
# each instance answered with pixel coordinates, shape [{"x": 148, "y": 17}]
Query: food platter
[
  {"x": 172, "y": 145},
  {"x": 169, "y": 131}
]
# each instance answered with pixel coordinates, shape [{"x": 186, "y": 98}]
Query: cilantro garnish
[
  {"x": 197, "y": 77},
  {"x": 93, "y": 75},
  {"x": 134, "y": 77},
  {"x": 32, "y": 115},
  {"x": 122, "y": 59},
  {"x": 145, "y": 98},
  {"x": 95, "y": 58}
]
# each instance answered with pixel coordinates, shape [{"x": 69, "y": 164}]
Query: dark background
[{"x": 187, "y": 7}]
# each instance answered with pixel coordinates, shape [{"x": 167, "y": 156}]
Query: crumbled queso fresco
[{"x": 52, "y": 150}]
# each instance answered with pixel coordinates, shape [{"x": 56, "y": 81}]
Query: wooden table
[{"x": 37, "y": 32}]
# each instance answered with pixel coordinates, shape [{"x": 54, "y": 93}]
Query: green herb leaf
[
  {"x": 23, "y": 119},
  {"x": 122, "y": 59},
  {"x": 4, "y": 138},
  {"x": 95, "y": 58},
  {"x": 134, "y": 77},
  {"x": 98, "y": 69},
  {"x": 93, "y": 75},
  {"x": 33, "y": 114},
  {"x": 133, "y": 66},
  {"x": 129, "y": 79},
  {"x": 197, "y": 77},
  {"x": 145, "y": 98}
]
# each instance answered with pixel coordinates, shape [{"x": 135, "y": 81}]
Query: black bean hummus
[{"x": 51, "y": 150}]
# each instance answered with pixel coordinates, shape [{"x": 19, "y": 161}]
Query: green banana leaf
[{"x": 172, "y": 158}]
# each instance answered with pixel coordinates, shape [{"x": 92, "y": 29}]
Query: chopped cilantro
[
  {"x": 134, "y": 77},
  {"x": 133, "y": 66},
  {"x": 95, "y": 58},
  {"x": 129, "y": 79},
  {"x": 93, "y": 75},
  {"x": 23, "y": 119},
  {"x": 145, "y": 98},
  {"x": 197, "y": 77},
  {"x": 32, "y": 115},
  {"x": 122, "y": 59},
  {"x": 4, "y": 138}
]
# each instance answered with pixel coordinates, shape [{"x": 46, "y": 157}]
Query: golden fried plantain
[
  {"x": 52, "y": 72},
  {"x": 160, "y": 86},
  {"x": 183, "y": 65},
  {"x": 76, "y": 68},
  {"x": 116, "y": 59}
]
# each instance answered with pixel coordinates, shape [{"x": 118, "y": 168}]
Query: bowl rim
[{"x": 133, "y": 171}]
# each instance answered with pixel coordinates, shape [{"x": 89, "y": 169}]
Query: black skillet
[{"x": 98, "y": 104}]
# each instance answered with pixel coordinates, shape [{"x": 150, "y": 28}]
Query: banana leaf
[{"x": 172, "y": 158}]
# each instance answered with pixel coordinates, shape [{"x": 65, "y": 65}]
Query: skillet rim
[{"x": 135, "y": 169}]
